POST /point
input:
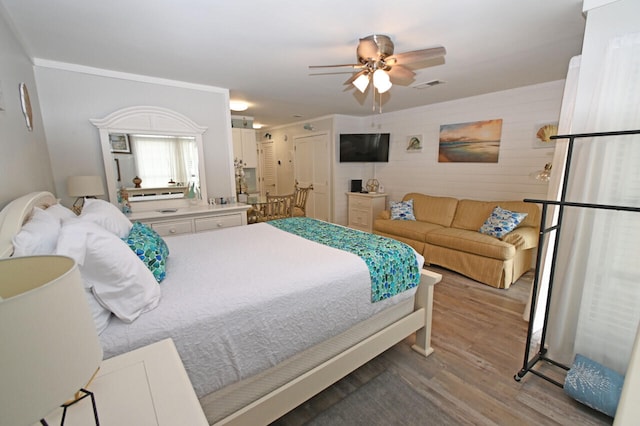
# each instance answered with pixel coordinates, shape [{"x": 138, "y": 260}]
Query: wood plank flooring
[{"x": 479, "y": 337}]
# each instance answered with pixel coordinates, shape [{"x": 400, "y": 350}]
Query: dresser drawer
[
  {"x": 360, "y": 218},
  {"x": 360, "y": 203},
  {"x": 218, "y": 222},
  {"x": 173, "y": 227}
]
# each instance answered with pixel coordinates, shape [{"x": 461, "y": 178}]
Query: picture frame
[
  {"x": 414, "y": 143},
  {"x": 470, "y": 142},
  {"x": 120, "y": 143}
]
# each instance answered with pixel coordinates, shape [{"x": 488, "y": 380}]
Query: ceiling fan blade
[
  {"x": 354, "y": 76},
  {"x": 367, "y": 49},
  {"x": 416, "y": 56},
  {"x": 401, "y": 75},
  {"x": 337, "y": 66}
]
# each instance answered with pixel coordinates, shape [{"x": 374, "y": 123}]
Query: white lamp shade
[
  {"x": 49, "y": 345},
  {"x": 381, "y": 81},
  {"x": 361, "y": 82},
  {"x": 84, "y": 186}
]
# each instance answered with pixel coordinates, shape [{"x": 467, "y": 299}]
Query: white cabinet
[
  {"x": 147, "y": 386},
  {"x": 364, "y": 208},
  {"x": 193, "y": 219},
  {"x": 245, "y": 147}
]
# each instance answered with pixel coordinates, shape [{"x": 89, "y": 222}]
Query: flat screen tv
[{"x": 364, "y": 148}]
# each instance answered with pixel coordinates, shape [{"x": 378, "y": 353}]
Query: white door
[
  {"x": 312, "y": 165},
  {"x": 267, "y": 158}
]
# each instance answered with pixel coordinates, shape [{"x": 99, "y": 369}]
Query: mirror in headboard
[{"x": 155, "y": 154}]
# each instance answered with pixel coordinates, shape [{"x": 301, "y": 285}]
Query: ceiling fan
[{"x": 377, "y": 63}]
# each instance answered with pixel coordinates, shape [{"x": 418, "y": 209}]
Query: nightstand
[
  {"x": 147, "y": 386},
  {"x": 363, "y": 209}
]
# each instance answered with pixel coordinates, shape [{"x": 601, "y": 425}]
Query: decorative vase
[{"x": 136, "y": 182}]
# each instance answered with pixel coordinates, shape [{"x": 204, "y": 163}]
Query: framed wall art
[
  {"x": 473, "y": 142},
  {"x": 120, "y": 143},
  {"x": 414, "y": 143}
]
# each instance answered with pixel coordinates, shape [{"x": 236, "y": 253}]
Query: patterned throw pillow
[
  {"x": 501, "y": 222},
  {"x": 150, "y": 248},
  {"x": 402, "y": 210}
]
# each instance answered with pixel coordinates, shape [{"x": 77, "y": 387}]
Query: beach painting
[{"x": 474, "y": 142}]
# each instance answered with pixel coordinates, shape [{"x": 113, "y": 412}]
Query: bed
[{"x": 264, "y": 321}]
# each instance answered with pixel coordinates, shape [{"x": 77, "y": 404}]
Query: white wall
[
  {"x": 70, "y": 98},
  {"x": 24, "y": 158},
  {"x": 520, "y": 109}
]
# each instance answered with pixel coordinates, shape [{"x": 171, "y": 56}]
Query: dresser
[
  {"x": 186, "y": 220},
  {"x": 363, "y": 209},
  {"x": 144, "y": 387}
]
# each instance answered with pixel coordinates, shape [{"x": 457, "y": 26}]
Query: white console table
[
  {"x": 186, "y": 220},
  {"x": 144, "y": 387}
]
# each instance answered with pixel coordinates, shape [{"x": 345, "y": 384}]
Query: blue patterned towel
[
  {"x": 392, "y": 264},
  {"x": 594, "y": 385}
]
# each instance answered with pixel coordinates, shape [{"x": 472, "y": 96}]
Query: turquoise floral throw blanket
[{"x": 392, "y": 265}]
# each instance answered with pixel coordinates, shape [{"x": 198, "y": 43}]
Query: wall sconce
[
  {"x": 309, "y": 127},
  {"x": 543, "y": 175}
]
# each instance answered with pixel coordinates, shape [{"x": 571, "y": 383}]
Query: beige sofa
[{"x": 446, "y": 233}]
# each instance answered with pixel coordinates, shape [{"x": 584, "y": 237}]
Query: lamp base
[
  {"x": 82, "y": 394},
  {"x": 77, "y": 205}
]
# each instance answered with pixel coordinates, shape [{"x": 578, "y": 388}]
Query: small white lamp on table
[
  {"x": 81, "y": 187},
  {"x": 50, "y": 349}
]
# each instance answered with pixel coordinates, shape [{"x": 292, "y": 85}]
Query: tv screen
[{"x": 364, "y": 148}]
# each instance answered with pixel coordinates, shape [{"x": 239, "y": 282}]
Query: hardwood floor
[{"x": 479, "y": 337}]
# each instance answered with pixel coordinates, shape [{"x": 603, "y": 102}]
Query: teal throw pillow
[
  {"x": 402, "y": 210},
  {"x": 150, "y": 248},
  {"x": 501, "y": 222}
]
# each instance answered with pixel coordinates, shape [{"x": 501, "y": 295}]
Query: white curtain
[
  {"x": 160, "y": 159},
  {"x": 595, "y": 307}
]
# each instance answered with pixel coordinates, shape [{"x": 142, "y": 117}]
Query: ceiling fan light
[
  {"x": 361, "y": 82},
  {"x": 381, "y": 81}
]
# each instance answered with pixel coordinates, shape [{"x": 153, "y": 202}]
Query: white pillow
[
  {"x": 107, "y": 216},
  {"x": 61, "y": 212},
  {"x": 38, "y": 236},
  {"x": 101, "y": 315},
  {"x": 116, "y": 276}
]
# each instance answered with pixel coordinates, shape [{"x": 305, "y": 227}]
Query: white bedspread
[{"x": 240, "y": 300}]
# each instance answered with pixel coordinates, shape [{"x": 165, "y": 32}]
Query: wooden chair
[
  {"x": 300, "y": 202},
  {"x": 276, "y": 207}
]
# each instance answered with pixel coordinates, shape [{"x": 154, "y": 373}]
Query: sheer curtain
[
  {"x": 595, "y": 306},
  {"x": 160, "y": 159}
]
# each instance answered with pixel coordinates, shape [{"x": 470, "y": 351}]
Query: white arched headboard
[{"x": 16, "y": 213}]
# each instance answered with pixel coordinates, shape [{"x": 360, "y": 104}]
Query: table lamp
[
  {"x": 81, "y": 187},
  {"x": 49, "y": 345}
]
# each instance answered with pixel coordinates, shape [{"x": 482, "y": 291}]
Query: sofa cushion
[
  {"x": 402, "y": 210},
  {"x": 501, "y": 221},
  {"x": 414, "y": 230},
  {"x": 471, "y": 214},
  {"x": 438, "y": 210},
  {"x": 471, "y": 242}
]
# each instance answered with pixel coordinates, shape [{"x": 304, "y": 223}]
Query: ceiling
[{"x": 261, "y": 50}]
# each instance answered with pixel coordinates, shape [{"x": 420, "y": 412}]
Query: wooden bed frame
[{"x": 293, "y": 393}]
